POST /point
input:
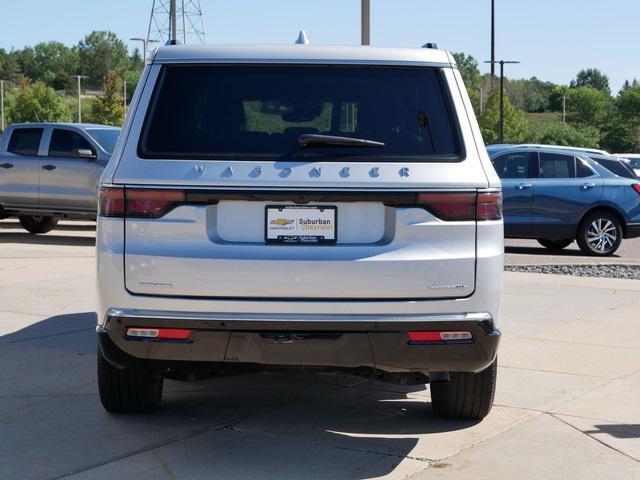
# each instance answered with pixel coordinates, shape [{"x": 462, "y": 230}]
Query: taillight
[
  {"x": 636, "y": 187},
  {"x": 146, "y": 203},
  {"x": 138, "y": 202},
  {"x": 111, "y": 202},
  {"x": 489, "y": 206},
  {"x": 449, "y": 206},
  {"x": 463, "y": 206}
]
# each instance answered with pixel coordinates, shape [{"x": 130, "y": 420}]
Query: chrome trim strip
[{"x": 244, "y": 317}]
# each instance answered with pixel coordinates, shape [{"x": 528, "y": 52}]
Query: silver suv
[{"x": 300, "y": 206}]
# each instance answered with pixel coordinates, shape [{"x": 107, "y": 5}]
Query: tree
[
  {"x": 468, "y": 67},
  {"x": 56, "y": 63},
  {"x": 559, "y": 133},
  {"x": 101, "y": 52},
  {"x": 108, "y": 109},
  {"x": 515, "y": 125},
  {"x": 530, "y": 95},
  {"x": 38, "y": 103},
  {"x": 622, "y": 129},
  {"x": 587, "y": 106},
  {"x": 592, "y": 78}
]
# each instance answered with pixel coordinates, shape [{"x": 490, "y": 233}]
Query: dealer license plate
[{"x": 300, "y": 224}]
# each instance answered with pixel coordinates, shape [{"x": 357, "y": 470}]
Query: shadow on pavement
[
  {"x": 618, "y": 430},
  {"x": 276, "y": 425},
  {"x": 548, "y": 252},
  {"x": 47, "y": 239}
]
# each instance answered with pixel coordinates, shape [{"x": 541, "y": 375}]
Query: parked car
[
  {"x": 301, "y": 206},
  {"x": 634, "y": 160},
  {"x": 52, "y": 170},
  {"x": 557, "y": 196}
]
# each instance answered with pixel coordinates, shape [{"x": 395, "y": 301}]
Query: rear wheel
[
  {"x": 466, "y": 395},
  {"x": 38, "y": 224},
  {"x": 554, "y": 244},
  {"x": 600, "y": 234},
  {"x": 130, "y": 390}
]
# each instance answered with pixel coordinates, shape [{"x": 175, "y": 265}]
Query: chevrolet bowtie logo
[{"x": 281, "y": 221}]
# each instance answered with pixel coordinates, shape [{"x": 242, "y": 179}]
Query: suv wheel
[
  {"x": 599, "y": 234},
  {"x": 38, "y": 224},
  {"x": 554, "y": 244},
  {"x": 466, "y": 395},
  {"x": 130, "y": 390}
]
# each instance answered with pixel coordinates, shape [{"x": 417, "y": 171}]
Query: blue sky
[{"x": 552, "y": 38}]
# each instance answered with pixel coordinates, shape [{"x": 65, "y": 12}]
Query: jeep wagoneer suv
[{"x": 300, "y": 206}]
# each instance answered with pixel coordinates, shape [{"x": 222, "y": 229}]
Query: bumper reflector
[
  {"x": 439, "y": 337},
  {"x": 159, "y": 333}
]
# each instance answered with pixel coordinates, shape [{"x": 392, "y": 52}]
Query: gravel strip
[{"x": 628, "y": 272}]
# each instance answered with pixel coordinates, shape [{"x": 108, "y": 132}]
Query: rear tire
[
  {"x": 130, "y": 390},
  {"x": 466, "y": 395},
  {"x": 600, "y": 234},
  {"x": 554, "y": 244},
  {"x": 37, "y": 225}
]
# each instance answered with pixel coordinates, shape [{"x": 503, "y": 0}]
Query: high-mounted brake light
[
  {"x": 159, "y": 333},
  {"x": 138, "y": 202},
  {"x": 439, "y": 337},
  {"x": 636, "y": 187}
]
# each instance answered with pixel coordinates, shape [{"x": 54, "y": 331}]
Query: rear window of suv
[{"x": 249, "y": 112}]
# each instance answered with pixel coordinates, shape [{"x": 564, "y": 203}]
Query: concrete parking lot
[{"x": 567, "y": 405}]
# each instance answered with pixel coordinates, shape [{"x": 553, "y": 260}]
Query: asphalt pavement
[{"x": 567, "y": 404}]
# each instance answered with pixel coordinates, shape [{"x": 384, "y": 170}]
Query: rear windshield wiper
[{"x": 312, "y": 140}]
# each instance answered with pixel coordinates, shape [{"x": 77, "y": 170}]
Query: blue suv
[{"x": 558, "y": 195}]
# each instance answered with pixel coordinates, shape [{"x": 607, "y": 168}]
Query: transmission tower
[{"x": 189, "y": 26}]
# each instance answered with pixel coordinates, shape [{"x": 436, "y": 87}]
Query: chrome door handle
[
  {"x": 49, "y": 167},
  {"x": 587, "y": 186},
  {"x": 523, "y": 186},
  {"x": 7, "y": 165}
]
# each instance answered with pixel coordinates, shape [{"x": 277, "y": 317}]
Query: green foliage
[
  {"x": 468, "y": 67},
  {"x": 38, "y": 103},
  {"x": 592, "y": 78},
  {"x": 559, "y": 133},
  {"x": 622, "y": 130},
  {"x": 587, "y": 106},
  {"x": 529, "y": 95},
  {"x": 515, "y": 125},
  {"x": 109, "y": 109},
  {"x": 101, "y": 52}
]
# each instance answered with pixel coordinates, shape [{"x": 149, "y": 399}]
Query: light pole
[
  {"x": 1, "y": 105},
  {"x": 493, "y": 44},
  {"x": 502, "y": 63},
  {"x": 79, "y": 77},
  {"x": 365, "y": 22},
  {"x": 145, "y": 46}
]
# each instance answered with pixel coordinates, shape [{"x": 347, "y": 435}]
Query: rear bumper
[
  {"x": 225, "y": 341},
  {"x": 632, "y": 230}
]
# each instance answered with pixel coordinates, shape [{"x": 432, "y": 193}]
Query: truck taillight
[
  {"x": 138, "y": 202},
  {"x": 463, "y": 206}
]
